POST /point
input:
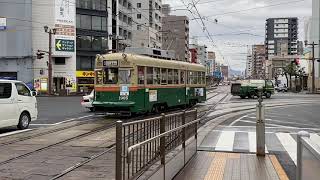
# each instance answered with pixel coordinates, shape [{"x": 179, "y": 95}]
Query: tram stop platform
[{"x": 232, "y": 166}]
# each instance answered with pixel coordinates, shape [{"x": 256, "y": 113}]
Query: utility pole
[
  {"x": 117, "y": 39},
  {"x": 50, "y": 32},
  {"x": 313, "y": 68}
]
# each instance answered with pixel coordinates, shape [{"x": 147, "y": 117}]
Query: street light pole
[
  {"x": 50, "y": 32},
  {"x": 313, "y": 68}
]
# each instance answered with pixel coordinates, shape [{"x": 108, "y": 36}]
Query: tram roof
[{"x": 154, "y": 62}]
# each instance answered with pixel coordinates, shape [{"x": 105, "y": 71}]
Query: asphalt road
[{"x": 56, "y": 109}]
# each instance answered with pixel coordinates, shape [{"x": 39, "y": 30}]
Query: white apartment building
[{"x": 147, "y": 16}]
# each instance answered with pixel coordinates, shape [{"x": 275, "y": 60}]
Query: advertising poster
[
  {"x": 153, "y": 95},
  {"x": 198, "y": 92}
]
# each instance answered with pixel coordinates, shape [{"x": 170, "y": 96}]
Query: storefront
[{"x": 85, "y": 81}]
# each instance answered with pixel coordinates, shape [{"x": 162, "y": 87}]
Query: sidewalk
[{"x": 232, "y": 166}]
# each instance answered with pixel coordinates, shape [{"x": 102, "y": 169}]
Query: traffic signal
[
  {"x": 40, "y": 55},
  {"x": 296, "y": 61}
]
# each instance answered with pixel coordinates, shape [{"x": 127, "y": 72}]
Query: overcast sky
[{"x": 239, "y": 23}]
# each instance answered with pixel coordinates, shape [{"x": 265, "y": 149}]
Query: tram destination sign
[{"x": 110, "y": 63}]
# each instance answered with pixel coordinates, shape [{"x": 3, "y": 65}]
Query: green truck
[{"x": 249, "y": 88}]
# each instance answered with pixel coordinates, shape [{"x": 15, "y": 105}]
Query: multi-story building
[
  {"x": 211, "y": 62},
  {"x": 175, "y": 34},
  {"x": 249, "y": 63},
  {"x": 281, "y": 37},
  {"x": 16, "y": 58},
  {"x": 121, "y": 24},
  {"x": 224, "y": 72},
  {"x": 59, "y": 18},
  {"x": 193, "y": 55},
  {"x": 258, "y": 62},
  {"x": 202, "y": 54},
  {"x": 92, "y": 38},
  {"x": 147, "y": 17}
]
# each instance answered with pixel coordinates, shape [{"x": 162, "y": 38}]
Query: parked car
[
  {"x": 87, "y": 100},
  {"x": 18, "y": 104},
  {"x": 282, "y": 88}
]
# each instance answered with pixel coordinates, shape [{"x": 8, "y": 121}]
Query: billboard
[{"x": 65, "y": 16}]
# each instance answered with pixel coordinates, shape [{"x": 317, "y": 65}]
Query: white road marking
[
  {"x": 14, "y": 132},
  {"x": 237, "y": 120},
  {"x": 315, "y": 138},
  {"x": 225, "y": 142},
  {"x": 253, "y": 142},
  {"x": 68, "y": 120},
  {"x": 289, "y": 144},
  {"x": 41, "y": 124}
]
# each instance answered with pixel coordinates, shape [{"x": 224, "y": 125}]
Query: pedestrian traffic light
[{"x": 40, "y": 55}]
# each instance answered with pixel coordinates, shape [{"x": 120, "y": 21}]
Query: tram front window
[{"x": 111, "y": 76}]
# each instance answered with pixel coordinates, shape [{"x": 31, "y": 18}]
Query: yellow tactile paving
[
  {"x": 277, "y": 166},
  {"x": 216, "y": 169}
]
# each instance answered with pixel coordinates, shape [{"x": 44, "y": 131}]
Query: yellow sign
[{"x": 85, "y": 74}]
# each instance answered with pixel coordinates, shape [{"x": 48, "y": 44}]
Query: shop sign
[{"x": 85, "y": 74}]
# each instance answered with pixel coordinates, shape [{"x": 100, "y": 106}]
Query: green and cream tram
[{"x": 127, "y": 83}]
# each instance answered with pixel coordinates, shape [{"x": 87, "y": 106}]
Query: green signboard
[{"x": 64, "y": 45}]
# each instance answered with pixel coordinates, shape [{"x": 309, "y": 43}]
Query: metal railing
[
  {"x": 308, "y": 157},
  {"x": 142, "y": 143}
]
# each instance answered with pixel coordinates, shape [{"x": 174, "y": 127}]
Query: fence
[
  {"x": 308, "y": 157},
  {"x": 142, "y": 143}
]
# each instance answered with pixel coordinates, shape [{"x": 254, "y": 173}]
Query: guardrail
[
  {"x": 308, "y": 158},
  {"x": 142, "y": 143}
]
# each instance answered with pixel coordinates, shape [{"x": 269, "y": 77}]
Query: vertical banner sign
[{"x": 65, "y": 25}]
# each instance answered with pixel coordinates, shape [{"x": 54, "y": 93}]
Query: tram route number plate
[{"x": 110, "y": 63}]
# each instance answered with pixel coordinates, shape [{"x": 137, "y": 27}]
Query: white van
[{"x": 18, "y": 105}]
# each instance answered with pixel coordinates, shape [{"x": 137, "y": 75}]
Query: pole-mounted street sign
[{"x": 64, "y": 45}]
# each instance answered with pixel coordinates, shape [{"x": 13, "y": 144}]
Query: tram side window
[
  {"x": 156, "y": 76},
  {"x": 199, "y": 74},
  {"x": 111, "y": 76},
  {"x": 99, "y": 77},
  {"x": 164, "y": 76},
  {"x": 149, "y": 75},
  {"x": 203, "y": 78},
  {"x": 125, "y": 76},
  {"x": 170, "y": 76},
  {"x": 141, "y": 75},
  {"x": 190, "y": 76},
  {"x": 182, "y": 78},
  {"x": 175, "y": 76}
]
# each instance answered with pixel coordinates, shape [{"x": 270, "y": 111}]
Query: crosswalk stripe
[
  {"x": 315, "y": 138},
  {"x": 289, "y": 145},
  {"x": 253, "y": 142},
  {"x": 225, "y": 142}
]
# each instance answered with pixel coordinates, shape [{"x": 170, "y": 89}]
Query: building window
[
  {"x": 85, "y": 22},
  {"x": 96, "y": 4},
  {"x": 104, "y": 24},
  {"x": 138, "y": 16},
  {"x": 59, "y": 61},
  {"x": 104, "y": 43},
  {"x": 84, "y": 42},
  {"x": 138, "y": 5},
  {"x": 85, "y": 63},
  {"x": 96, "y": 43},
  {"x": 129, "y": 35},
  {"x": 139, "y": 27},
  {"x": 86, "y": 4},
  {"x": 78, "y": 16},
  {"x": 96, "y": 23}
]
